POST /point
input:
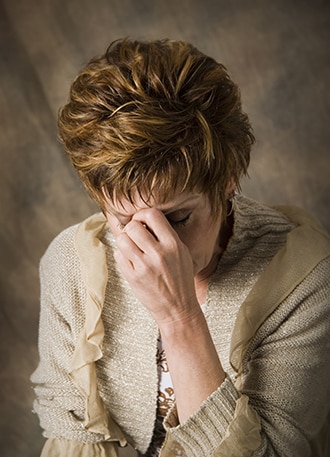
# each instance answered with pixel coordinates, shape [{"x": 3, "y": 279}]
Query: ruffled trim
[
  {"x": 243, "y": 434},
  {"x": 59, "y": 447},
  {"x": 88, "y": 350},
  {"x": 224, "y": 418},
  {"x": 307, "y": 244}
]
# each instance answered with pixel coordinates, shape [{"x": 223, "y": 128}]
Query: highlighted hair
[{"x": 156, "y": 117}]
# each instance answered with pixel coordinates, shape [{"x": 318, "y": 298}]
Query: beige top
[{"x": 276, "y": 397}]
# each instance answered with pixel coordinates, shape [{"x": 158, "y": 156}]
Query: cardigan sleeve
[
  {"x": 59, "y": 403},
  {"x": 225, "y": 417},
  {"x": 285, "y": 396}
]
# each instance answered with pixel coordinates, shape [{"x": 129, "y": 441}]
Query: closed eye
[{"x": 181, "y": 222}]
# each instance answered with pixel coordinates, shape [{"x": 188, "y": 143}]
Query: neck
[{"x": 202, "y": 279}]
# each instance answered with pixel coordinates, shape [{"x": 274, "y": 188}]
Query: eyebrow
[{"x": 166, "y": 212}]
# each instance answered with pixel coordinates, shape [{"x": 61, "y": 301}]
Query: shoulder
[
  {"x": 62, "y": 259},
  {"x": 295, "y": 243},
  {"x": 61, "y": 249},
  {"x": 63, "y": 289},
  {"x": 259, "y": 231},
  {"x": 299, "y": 272},
  {"x": 256, "y": 220}
]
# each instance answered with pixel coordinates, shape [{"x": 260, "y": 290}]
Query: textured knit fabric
[{"x": 275, "y": 399}]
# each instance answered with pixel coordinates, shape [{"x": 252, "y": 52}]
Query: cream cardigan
[{"x": 276, "y": 398}]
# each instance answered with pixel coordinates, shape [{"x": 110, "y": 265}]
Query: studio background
[{"x": 276, "y": 50}]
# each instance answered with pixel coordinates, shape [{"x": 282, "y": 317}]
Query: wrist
[
  {"x": 193, "y": 362},
  {"x": 184, "y": 326}
]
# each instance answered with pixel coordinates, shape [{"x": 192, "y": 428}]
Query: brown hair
[{"x": 155, "y": 117}]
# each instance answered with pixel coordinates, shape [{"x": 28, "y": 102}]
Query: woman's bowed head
[
  {"x": 228, "y": 294},
  {"x": 155, "y": 120}
]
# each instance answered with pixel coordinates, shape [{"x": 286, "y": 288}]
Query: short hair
[{"x": 157, "y": 117}]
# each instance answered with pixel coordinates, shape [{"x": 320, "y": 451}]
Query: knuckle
[
  {"x": 172, "y": 245},
  {"x": 132, "y": 226}
]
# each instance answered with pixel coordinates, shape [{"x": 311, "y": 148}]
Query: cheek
[
  {"x": 204, "y": 242},
  {"x": 198, "y": 241}
]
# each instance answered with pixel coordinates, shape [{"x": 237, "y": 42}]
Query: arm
[
  {"x": 292, "y": 348},
  {"x": 150, "y": 252},
  {"x": 59, "y": 404},
  {"x": 193, "y": 362}
]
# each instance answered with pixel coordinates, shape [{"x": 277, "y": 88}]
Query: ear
[{"x": 231, "y": 187}]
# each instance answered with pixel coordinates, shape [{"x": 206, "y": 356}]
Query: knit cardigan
[{"x": 94, "y": 334}]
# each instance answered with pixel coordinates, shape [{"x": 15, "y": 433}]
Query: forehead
[{"x": 129, "y": 208}]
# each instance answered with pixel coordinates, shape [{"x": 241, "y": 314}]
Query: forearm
[{"x": 193, "y": 362}]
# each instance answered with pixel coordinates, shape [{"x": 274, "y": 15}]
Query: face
[{"x": 189, "y": 214}]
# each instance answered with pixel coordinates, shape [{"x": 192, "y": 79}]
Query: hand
[{"x": 158, "y": 267}]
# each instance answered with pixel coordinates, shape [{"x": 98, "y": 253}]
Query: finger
[
  {"x": 141, "y": 235},
  {"x": 157, "y": 224},
  {"x": 132, "y": 262},
  {"x": 125, "y": 265},
  {"x": 128, "y": 248}
]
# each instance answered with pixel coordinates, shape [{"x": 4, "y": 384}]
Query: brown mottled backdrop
[{"x": 277, "y": 50}]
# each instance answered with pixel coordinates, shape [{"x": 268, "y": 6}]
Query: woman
[{"x": 183, "y": 317}]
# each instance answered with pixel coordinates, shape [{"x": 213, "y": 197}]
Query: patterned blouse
[{"x": 165, "y": 402}]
